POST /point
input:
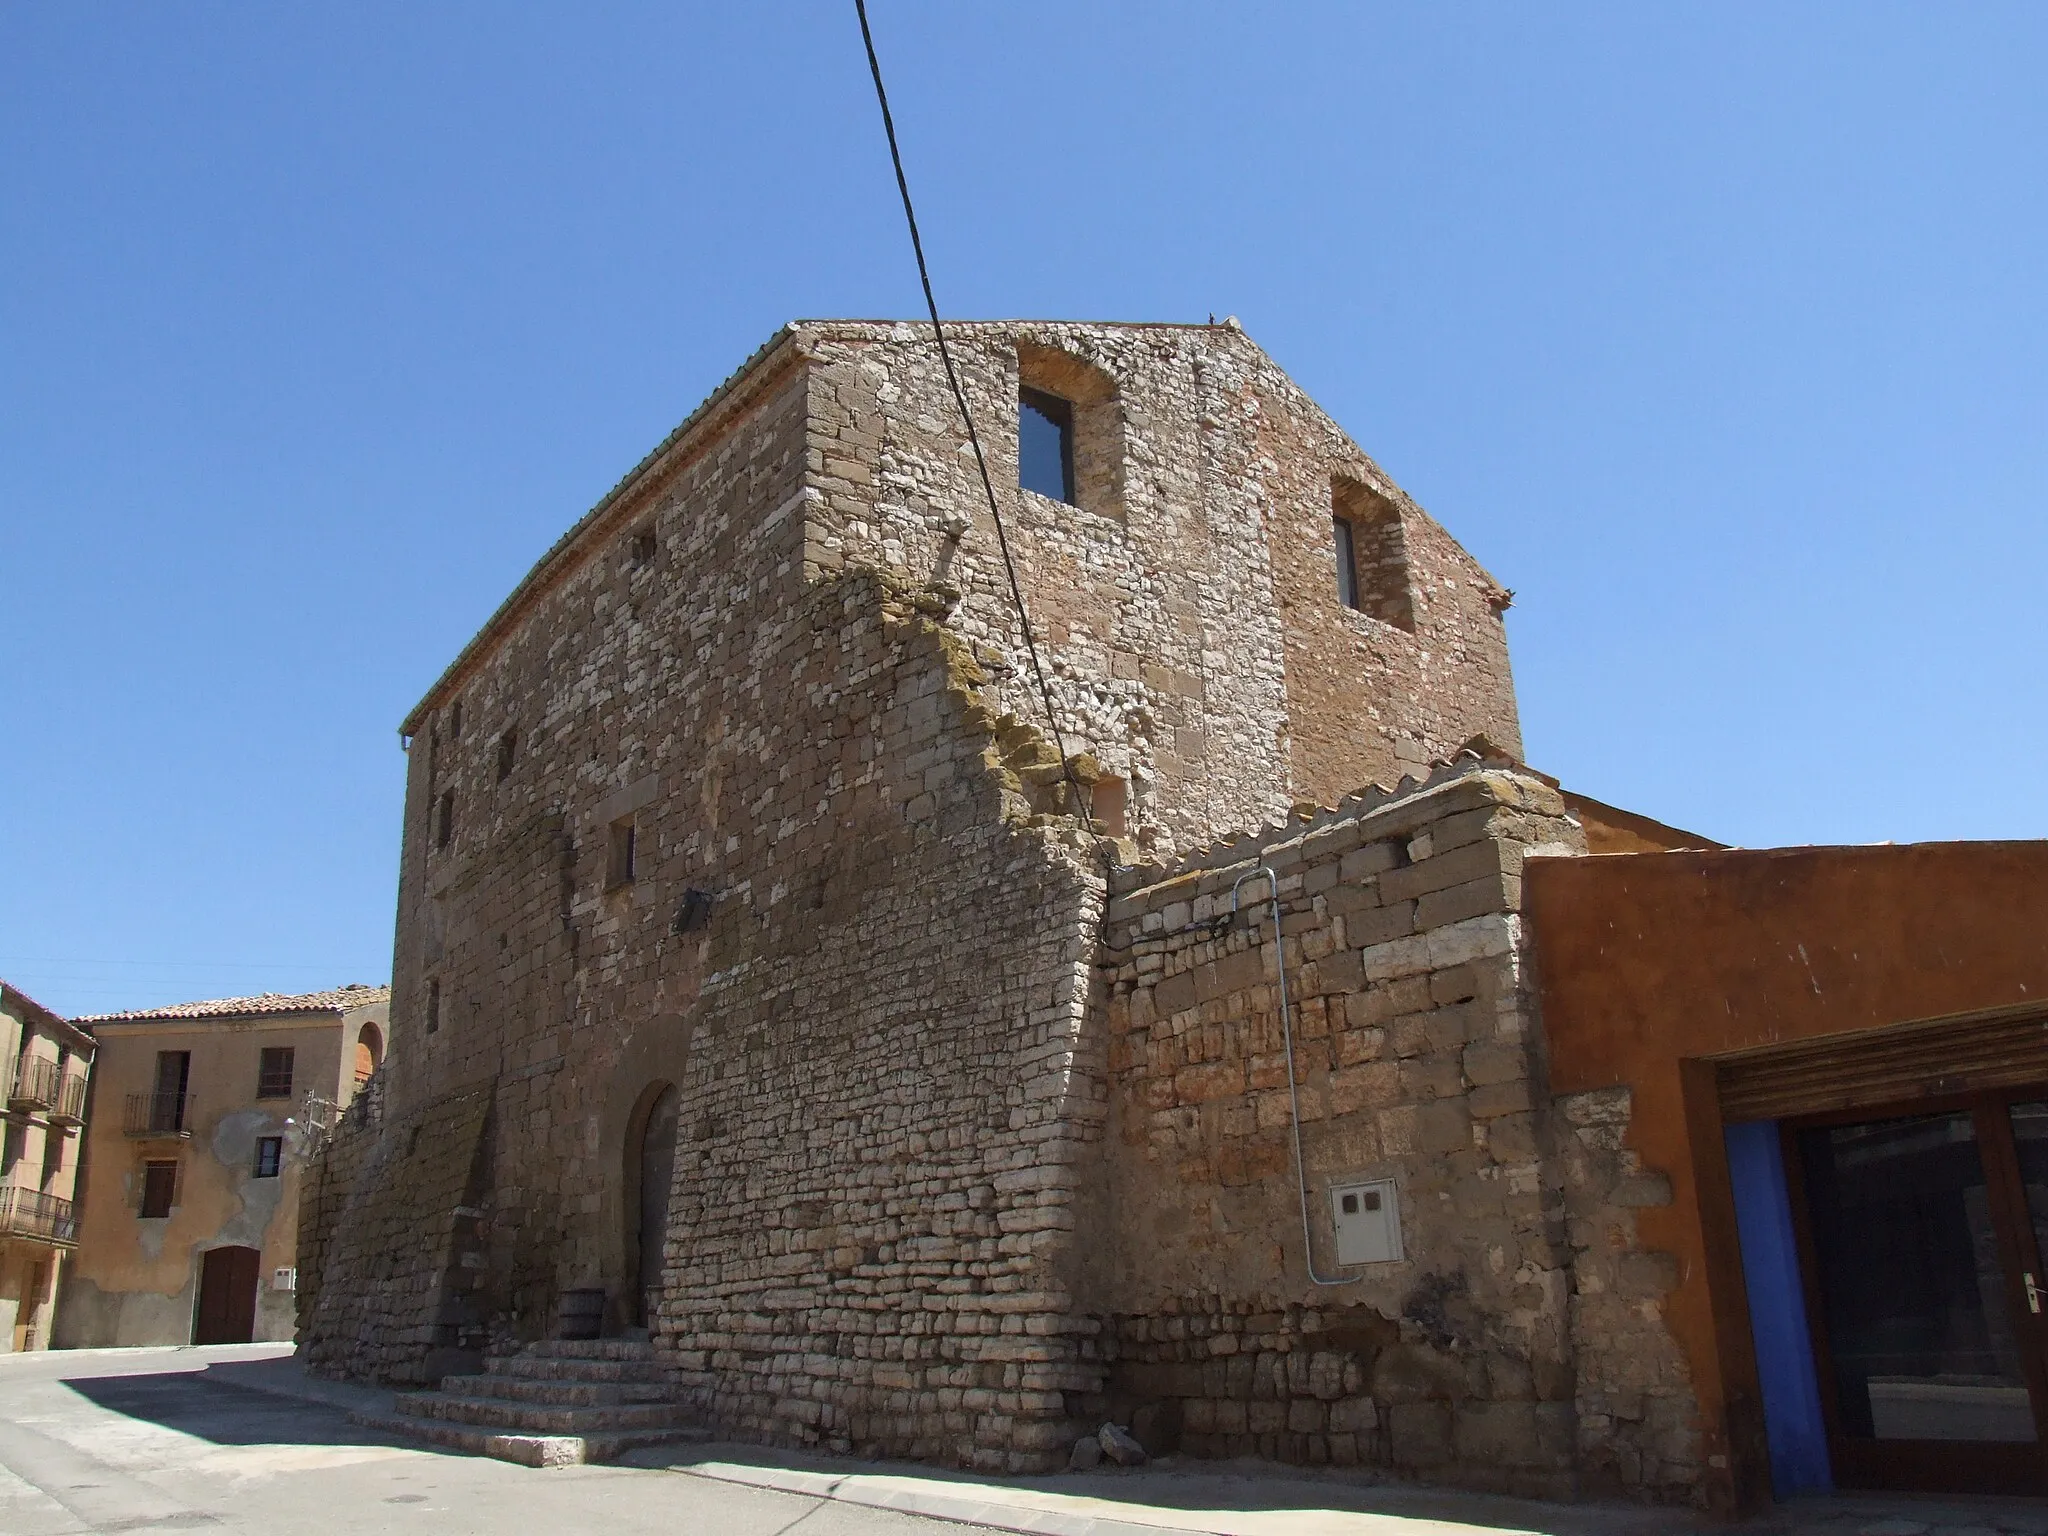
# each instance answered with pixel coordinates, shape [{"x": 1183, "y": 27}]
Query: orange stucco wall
[{"x": 1646, "y": 960}]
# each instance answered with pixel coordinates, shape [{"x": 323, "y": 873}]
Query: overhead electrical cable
[{"x": 1081, "y": 798}]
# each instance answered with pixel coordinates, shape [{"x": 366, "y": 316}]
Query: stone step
[
  {"x": 497, "y": 1413},
  {"x": 527, "y": 1450},
  {"x": 553, "y": 1368},
  {"x": 590, "y": 1349},
  {"x": 560, "y": 1393}
]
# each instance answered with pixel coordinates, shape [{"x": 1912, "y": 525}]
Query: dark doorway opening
[
  {"x": 1921, "y": 1234},
  {"x": 227, "y": 1296},
  {"x": 650, "y": 1177}
]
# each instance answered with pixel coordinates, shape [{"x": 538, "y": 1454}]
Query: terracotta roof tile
[{"x": 357, "y": 996}]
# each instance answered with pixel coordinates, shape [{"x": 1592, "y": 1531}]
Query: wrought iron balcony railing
[
  {"x": 158, "y": 1114},
  {"x": 28, "y": 1213},
  {"x": 70, "y": 1101},
  {"x": 37, "y": 1087}
]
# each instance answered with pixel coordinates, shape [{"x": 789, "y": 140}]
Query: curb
[{"x": 963, "y": 1507}]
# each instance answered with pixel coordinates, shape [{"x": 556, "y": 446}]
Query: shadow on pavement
[{"x": 210, "y": 1405}]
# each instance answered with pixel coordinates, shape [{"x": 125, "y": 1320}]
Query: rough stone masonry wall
[
  {"x": 879, "y": 1035},
  {"x": 1189, "y": 604},
  {"x": 522, "y": 979},
  {"x": 883, "y": 1119},
  {"x": 389, "y": 1254},
  {"x": 1638, "y": 1420},
  {"x": 881, "y": 1116},
  {"x": 1418, "y": 1058}
]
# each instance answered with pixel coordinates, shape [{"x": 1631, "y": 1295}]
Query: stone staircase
[{"x": 556, "y": 1403}]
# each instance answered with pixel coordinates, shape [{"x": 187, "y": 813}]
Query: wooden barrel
[{"x": 580, "y": 1315}]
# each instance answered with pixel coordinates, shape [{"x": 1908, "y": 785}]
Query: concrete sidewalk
[
  {"x": 1215, "y": 1498},
  {"x": 1257, "y": 1499}
]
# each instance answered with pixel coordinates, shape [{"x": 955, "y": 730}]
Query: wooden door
[
  {"x": 227, "y": 1296},
  {"x": 1921, "y": 1238}
]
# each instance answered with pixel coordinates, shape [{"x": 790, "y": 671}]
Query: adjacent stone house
[
  {"x": 760, "y": 983},
  {"x": 188, "y": 1228}
]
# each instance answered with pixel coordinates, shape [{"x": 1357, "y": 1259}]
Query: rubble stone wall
[
  {"x": 882, "y": 1122},
  {"x": 1638, "y": 1419},
  {"x": 783, "y": 655},
  {"x": 388, "y": 1284},
  {"x": 1199, "y": 648},
  {"x": 1418, "y": 1057}
]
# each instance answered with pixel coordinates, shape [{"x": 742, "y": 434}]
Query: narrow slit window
[
  {"x": 1045, "y": 444},
  {"x": 1347, "y": 561},
  {"x": 444, "y": 833},
  {"x": 433, "y": 1006},
  {"x": 508, "y": 754},
  {"x": 269, "y": 1156},
  {"x": 624, "y": 852}
]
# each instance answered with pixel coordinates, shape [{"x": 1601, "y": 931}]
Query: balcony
[
  {"x": 69, "y": 1108},
  {"x": 38, "y": 1087},
  {"x": 158, "y": 1114},
  {"x": 39, "y": 1217}
]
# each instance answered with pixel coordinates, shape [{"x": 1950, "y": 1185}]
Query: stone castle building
[{"x": 756, "y": 983}]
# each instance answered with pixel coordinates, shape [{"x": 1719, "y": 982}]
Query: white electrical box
[
  {"x": 1367, "y": 1216},
  {"x": 284, "y": 1279}
]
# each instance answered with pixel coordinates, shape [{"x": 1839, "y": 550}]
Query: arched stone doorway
[{"x": 650, "y": 1157}]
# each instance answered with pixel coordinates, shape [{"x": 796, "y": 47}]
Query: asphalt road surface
[{"x": 135, "y": 1442}]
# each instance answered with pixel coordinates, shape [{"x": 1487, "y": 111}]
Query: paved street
[
  {"x": 137, "y": 1441},
  {"x": 235, "y": 1438}
]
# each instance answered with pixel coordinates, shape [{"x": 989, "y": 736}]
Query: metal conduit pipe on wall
[{"x": 1308, "y": 1250}]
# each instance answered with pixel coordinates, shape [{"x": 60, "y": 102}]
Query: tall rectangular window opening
[
  {"x": 274, "y": 1072},
  {"x": 619, "y": 870},
  {"x": 444, "y": 832},
  {"x": 159, "y": 1188},
  {"x": 433, "y": 1006},
  {"x": 173, "y": 1078},
  {"x": 1372, "y": 554},
  {"x": 508, "y": 753},
  {"x": 269, "y": 1156},
  {"x": 1347, "y": 562},
  {"x": 1045, "y": 444}
]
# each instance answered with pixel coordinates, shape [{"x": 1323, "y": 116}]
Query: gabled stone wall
[{"x": 1191, "y": 619}]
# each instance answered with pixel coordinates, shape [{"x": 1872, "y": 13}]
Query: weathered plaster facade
[
  {"x": 137, "y": 1276},
  {"x": 45, "y": 1066}
]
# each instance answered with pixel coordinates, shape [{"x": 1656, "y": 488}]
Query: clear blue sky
[{"x": 1718, "y": 333}]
